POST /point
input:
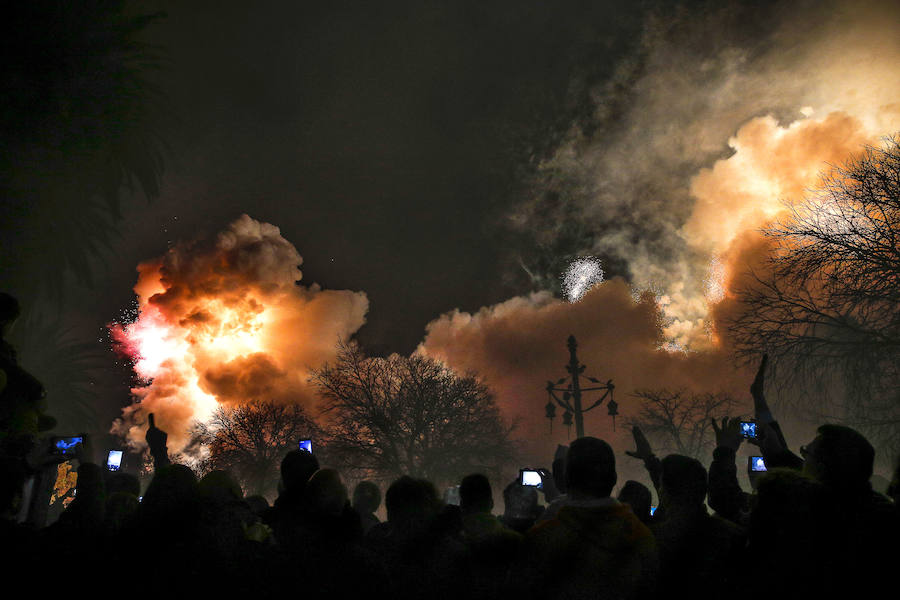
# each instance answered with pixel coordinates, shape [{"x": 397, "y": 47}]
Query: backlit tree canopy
[
  {"x": 397, "y": 415},
  {"x": 829, "y": 308}
]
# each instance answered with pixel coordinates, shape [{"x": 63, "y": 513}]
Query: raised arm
[{"x": 644, "y": 452}]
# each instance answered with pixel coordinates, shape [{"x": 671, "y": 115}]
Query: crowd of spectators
[{"x": 812, "y": 526}]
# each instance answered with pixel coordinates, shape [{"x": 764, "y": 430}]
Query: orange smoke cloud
[
  {"x": 224, "y": 322},
  {"x": 520, "y": 344}
]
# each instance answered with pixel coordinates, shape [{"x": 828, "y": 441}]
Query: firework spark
[{"x": 583, "y": 274}]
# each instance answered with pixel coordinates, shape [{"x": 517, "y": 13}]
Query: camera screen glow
[
  {"x": 67, "y": 445},
  {"x": 532, "y": 478},
  {"x": 114, "y": 460},
  {"x": 306, "y": 445},
  {"x": 757, "y": 463}
]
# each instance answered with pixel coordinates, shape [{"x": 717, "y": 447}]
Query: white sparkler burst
[{"x": 583, "y": 273}]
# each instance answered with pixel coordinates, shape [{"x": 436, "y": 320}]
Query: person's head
[
  {"x": 296, "y": 469},
  {"x": 366, "y": 497},
  {"x": 219, "y": 487},
  {"x": 590, "y": 468},
  {"x": 683, "y": 481},
  {"x": 839, "y": 457},
  {"x": 410, "y": 500},
  {"x": 123, "y": 482},
  {"x": 257, "y": 504},
  {"x": 326, "y": 493},
  {"x": 520, "y": 501},
  {"x": 637, "y": 496},
  {"x": 172, "y": 494},
  {"x": 121, "y": 507},
  {"x": 9, "y": 312},
  {"x": 475, "y": 495}
]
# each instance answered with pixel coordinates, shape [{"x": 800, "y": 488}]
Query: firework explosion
[
  {"x": 583, "y": 274},
  {"x": 226, "y": 322}
]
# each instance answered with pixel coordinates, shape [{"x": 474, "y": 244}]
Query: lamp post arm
[
  {"x": 600, "y": 401},
  {"x": 562, "y": 403}
]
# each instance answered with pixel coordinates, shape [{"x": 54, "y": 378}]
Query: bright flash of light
[
  {"x": 225, "y": 322},
  {"x": 583, "y": 274}
]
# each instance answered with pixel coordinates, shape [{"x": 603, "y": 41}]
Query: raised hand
[
  {"x": 757, "y": 388},
  {"x": 642, "y": 450},
  {"x": 729, "y": 434},
  {"x": 156, "y": 439}
]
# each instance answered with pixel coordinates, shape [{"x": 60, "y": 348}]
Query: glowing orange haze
[{"x": 225, "y": 321}]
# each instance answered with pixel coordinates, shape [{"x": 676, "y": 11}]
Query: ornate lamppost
[{"x": 571, "y": 394}]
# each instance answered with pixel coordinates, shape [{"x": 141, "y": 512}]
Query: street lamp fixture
[{"x": 571, "y": 398}]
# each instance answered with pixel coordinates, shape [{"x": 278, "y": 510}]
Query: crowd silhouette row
[{"x": 811, "y": 527}]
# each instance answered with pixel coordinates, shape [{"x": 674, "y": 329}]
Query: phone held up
[
  {"x": 114, "y": 460},
  {"x": 756, "y": 464},
  {"x": 67, "y": 446},
  {"x": 306, "y": 444},
  {"x": 530, "y": 478},
  {"x": 748, "y": 429}
]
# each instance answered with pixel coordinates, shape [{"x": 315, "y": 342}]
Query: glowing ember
[{"x": 583, "y": 274}]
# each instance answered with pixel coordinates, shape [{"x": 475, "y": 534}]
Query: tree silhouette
[
  {"x": 409, "y": 415},
  {"x": 251, "y": 439},
  {"x": 80, "y": 121},
  {"x": 827, "y": 310},
  {"x": 679, "y": 421}
]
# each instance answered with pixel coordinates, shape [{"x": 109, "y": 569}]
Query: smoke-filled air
[
  {"x": 225, "y": 321},
  {"x": 719, "y": 136}
]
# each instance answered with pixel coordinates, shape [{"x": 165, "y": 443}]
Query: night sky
[{"x": 450, "y": 159}]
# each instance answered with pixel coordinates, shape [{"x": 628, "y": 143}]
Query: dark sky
[{"x": 386, "y": 142}]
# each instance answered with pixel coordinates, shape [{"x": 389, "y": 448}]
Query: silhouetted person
[
  {"x": 638, "y": 497},
  {"x": 287, "y": 514},
  {"x": 699, "y": 554},
  {"x": 725, "y": 494},
  {"x": 866, "y": 530},
  {"x": 120, "y": 481},
  {"x": 19, "y": 541},
  {"x": 366, "y": 500},
  {"x": 594, "y": 546},
  {"x": 492, "y": 546},
  {"x": 521, "y": 508},
  {"x": 421, "y": 558},
  {"x": 157, "y": 440},
  {"x": 791, "y": 531},
  {"x": 22, "y": 397}
]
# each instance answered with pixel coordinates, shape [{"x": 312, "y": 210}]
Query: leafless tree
[
  {"x": 409, "y": 415},
  {"x": 250, "y": 440},
  {"x": 679, "y": 420},
  {"x": 827, "y": 310}
]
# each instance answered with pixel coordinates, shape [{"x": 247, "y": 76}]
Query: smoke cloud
[
  {"x": 725, "y": 121},
  {"x": 224, "y": 321}
]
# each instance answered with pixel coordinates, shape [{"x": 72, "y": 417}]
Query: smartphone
[
  {"x": 306, "y": 445},
  {"x": 67, "y": 446},
  {"x": 529, "y": 477},
  {"x": 652, "y": 510},
  {"x": 114, "y": 460},
  {"x": 748, "y": 429},
  {"x": 451, "y": 495},
  {"x": 756, "y": 464}
]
